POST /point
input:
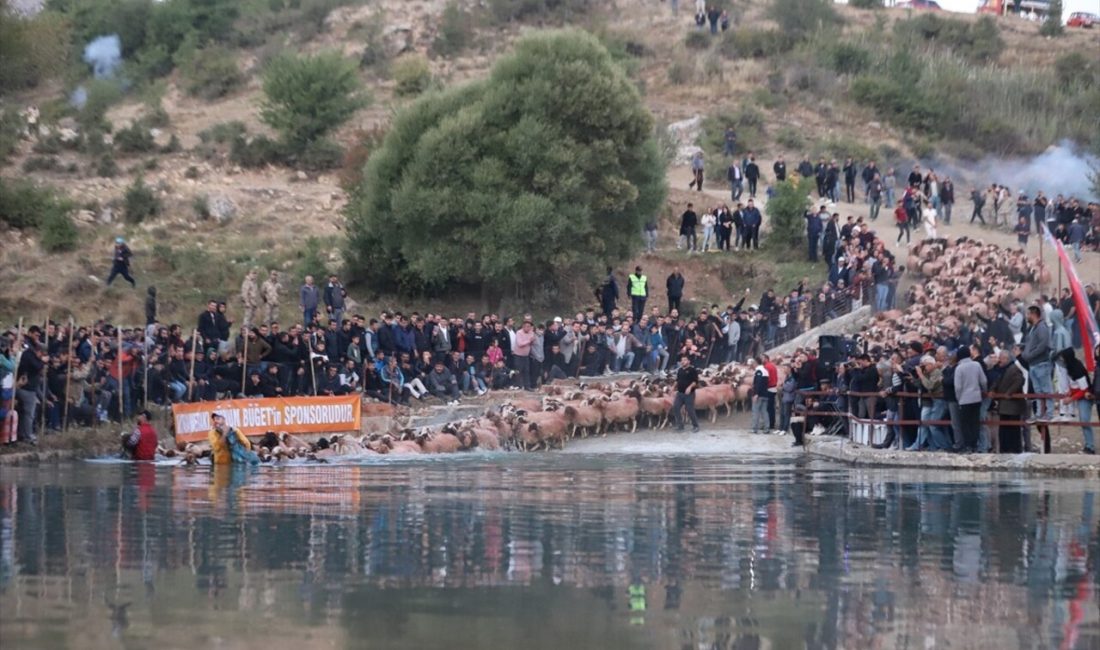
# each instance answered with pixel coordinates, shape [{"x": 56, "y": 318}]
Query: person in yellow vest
[
  {"x": 223, "y": 439},
  {"x": 639, "y": 291}
]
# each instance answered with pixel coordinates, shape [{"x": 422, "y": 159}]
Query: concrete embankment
[{"x": 845, "y": 451}]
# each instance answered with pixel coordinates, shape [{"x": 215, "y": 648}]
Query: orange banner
[{"x": 254, "y": 417}]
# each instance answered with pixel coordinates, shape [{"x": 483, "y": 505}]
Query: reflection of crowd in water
[{"x": 860, "y": 558}]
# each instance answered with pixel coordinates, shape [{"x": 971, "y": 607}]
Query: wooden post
[
  {"x": 191, "y": 374},
  {"x": 145, "y": 375},
  {"x": 94, "y": 360},
  {"x": 244, "y": 360},
  {"x": 118, "y": 355},
  {"x": 15, "y": 384},
  {"x": 46, "y": 372},
  {"x": 68, "y": 377},
  {"x": 312, "y": 371}
]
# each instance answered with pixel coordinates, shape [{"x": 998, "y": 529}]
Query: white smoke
[
  {"x": 1061, "y": 169},
  {"x": 104, "y": 54},
  {"x": 79, "y": 98}
]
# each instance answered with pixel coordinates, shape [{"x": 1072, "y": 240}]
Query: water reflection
[{"x": 546, "y": 552}]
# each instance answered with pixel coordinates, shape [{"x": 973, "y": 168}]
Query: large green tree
[
  {"x": 305, "y": 97},
  {"x": 549, "y": 167}
]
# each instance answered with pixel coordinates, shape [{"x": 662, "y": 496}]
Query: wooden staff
[
  {"x": 94, "y": 360},
  {"x": 15, "y": 384},
  {"x": 312, "y": 371},
  {"x": 68, "y": 377},
  {"x": 244, "y": 361},
  {"x": 46, "y": 371},
  {"x": 191, "y": 375},
  {"x": 145, "y": 375},
  {"x": 121, "y": 411}
]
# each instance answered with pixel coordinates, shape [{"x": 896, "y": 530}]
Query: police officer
[{"x": 639, "y": 291}]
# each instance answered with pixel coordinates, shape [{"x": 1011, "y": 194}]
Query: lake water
[{"x": 546, "y": 551}]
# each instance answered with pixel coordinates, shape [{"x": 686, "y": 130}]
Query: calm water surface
[{"x": 546, "y": 551}]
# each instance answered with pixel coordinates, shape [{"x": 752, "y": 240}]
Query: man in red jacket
[{"x": 141, "y": 444}]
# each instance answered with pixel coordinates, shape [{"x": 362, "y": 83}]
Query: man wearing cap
[
  {"x": 639, "y": 289},
  {"x": 121, "y": 263}
]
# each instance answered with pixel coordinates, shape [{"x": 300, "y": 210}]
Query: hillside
[{"x": 785, "y": 98}]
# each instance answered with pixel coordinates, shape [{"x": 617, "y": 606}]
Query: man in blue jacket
[
  {"x": 813, "y": 232},
  {"x": 752, "y": 218}
]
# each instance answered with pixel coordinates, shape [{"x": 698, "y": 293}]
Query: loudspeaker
[{"x": 830, "y": 350}]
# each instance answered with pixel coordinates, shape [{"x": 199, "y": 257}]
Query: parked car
[
  {"x": 929, "y": 5},
  {"x": 1082, "y": 19}
]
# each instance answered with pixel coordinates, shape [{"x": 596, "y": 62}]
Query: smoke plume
[
  {"x": 104, "y": 54},
  {"x": 1061, "y": 169}
]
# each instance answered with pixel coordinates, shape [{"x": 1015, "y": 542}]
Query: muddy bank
[{"x": 848, "y": 452}]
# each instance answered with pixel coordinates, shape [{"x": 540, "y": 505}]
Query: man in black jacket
[
  {"x": 868, "y": 174},
  {"x": 850, "y": 180},
  {"x": 675, "y": 287},
  {"x": 752, "y": 174},
  {"x": 209, "y": 325},
  {"x": 688, "y": 221},
  {"x": 780, "y": 170},
  {"x": 687, "y": 379}
]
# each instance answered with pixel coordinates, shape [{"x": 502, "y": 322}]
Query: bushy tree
[
  {"x": 32, "y": 49},
  {"x": 1052, "y": 26},
  {"x": 548, "y": 166},
  {"x": 803, "y": 17},
  {"x": 305, "y": 97},
  {"x": 786, "y": 208}
]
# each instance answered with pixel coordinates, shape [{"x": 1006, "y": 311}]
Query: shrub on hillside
[
  {"x": 259, "y": 151},
  {"x": 456, "y": 31},
  {"x": 41, "y": 164},
  {"x": 697, "y": 39},
  {"x": 211, "y": 73},
  {"x": 140, "y": 202},
  {"x": 979, "y": 41},
  {"x": 512, "y": 10},
  {"x": 786, "y": 209},
  {"x": 305, "y": 97},
  {"x": 804, "y": 17},
  {"x": 33, "y": 49},
  {"x": 135, "y": 139},
  {"x": 847, "y": 58},
  {"x": 364, "y": 143},
  {"x": 866, "y": 4},
  {"x": 747, "y": 43},
  {"x": 22, "y": 205},
  {"x": 1052, "y": 26},
  {"x": 57, "y": 232},
  {"x": 1074, "y": 69},
  {"x": 106, "y": 167},
  {"x": 412, "y": 74},
  {"x": 320, "y": 155},
  {"x": 223, "y": 132},
  {"x": 11, "y": 129}
]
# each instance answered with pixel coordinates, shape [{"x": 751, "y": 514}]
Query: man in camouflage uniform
[
  {"x": 250, "y": 296},
  {"x": 269, "y": 292}
]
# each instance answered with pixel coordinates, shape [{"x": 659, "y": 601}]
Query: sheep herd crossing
[{"x": 961, "y": 281}]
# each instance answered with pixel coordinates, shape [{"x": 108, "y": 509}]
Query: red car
[{"x": 1082, "y": 19}]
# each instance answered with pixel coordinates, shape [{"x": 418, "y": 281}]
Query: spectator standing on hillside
[
  {"x": 901, "y": 217},
  {"x": 697, "y": 166},
  {"x": 736, "y": 178},
  {"x": 713, "y": 14},
  {"x": 978, "y": 199},
  {"x": 308, "y": 300},
  {"x": 805, "y": 167},
  {"x": 752, "y": 218},
  {"x": 334, "y": 299},
  {"x": 708, "y": 220},
  {"x": 821, "y": 171},
  {"x": 730, "y": 142},
  {"x": 1077, "y": 233},
  {"x": 1022, "y": 231},
  {"x": 874, "y": 196},
  {"x": 890, "y": 185},
  {"x": 850, "y": 173},
  {"x": 947, "y": 199},
  {"x": 752, "y": 174},
  {"x": 250, "y": 297},
  {"x": 832, "y": 182},
  {"x": 813, "y": 232},
  {"x": 915, "y": 179},
  {"x": 1039, "y": 212},
  {"x": 650, "y": 233},
  {"x": 639, "y": 291},
  {"x": 688, "y": 220},
  {"x": 120, "y": 264},
  {"x": 269, "y": 292},
  {"x": 674, "y": 285},
  {"x": 609, "y": 293},
  {"x": 150, "y": 305},
  {"x": 779, "y": 168},
  {"x": 868, "y": 174}
]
